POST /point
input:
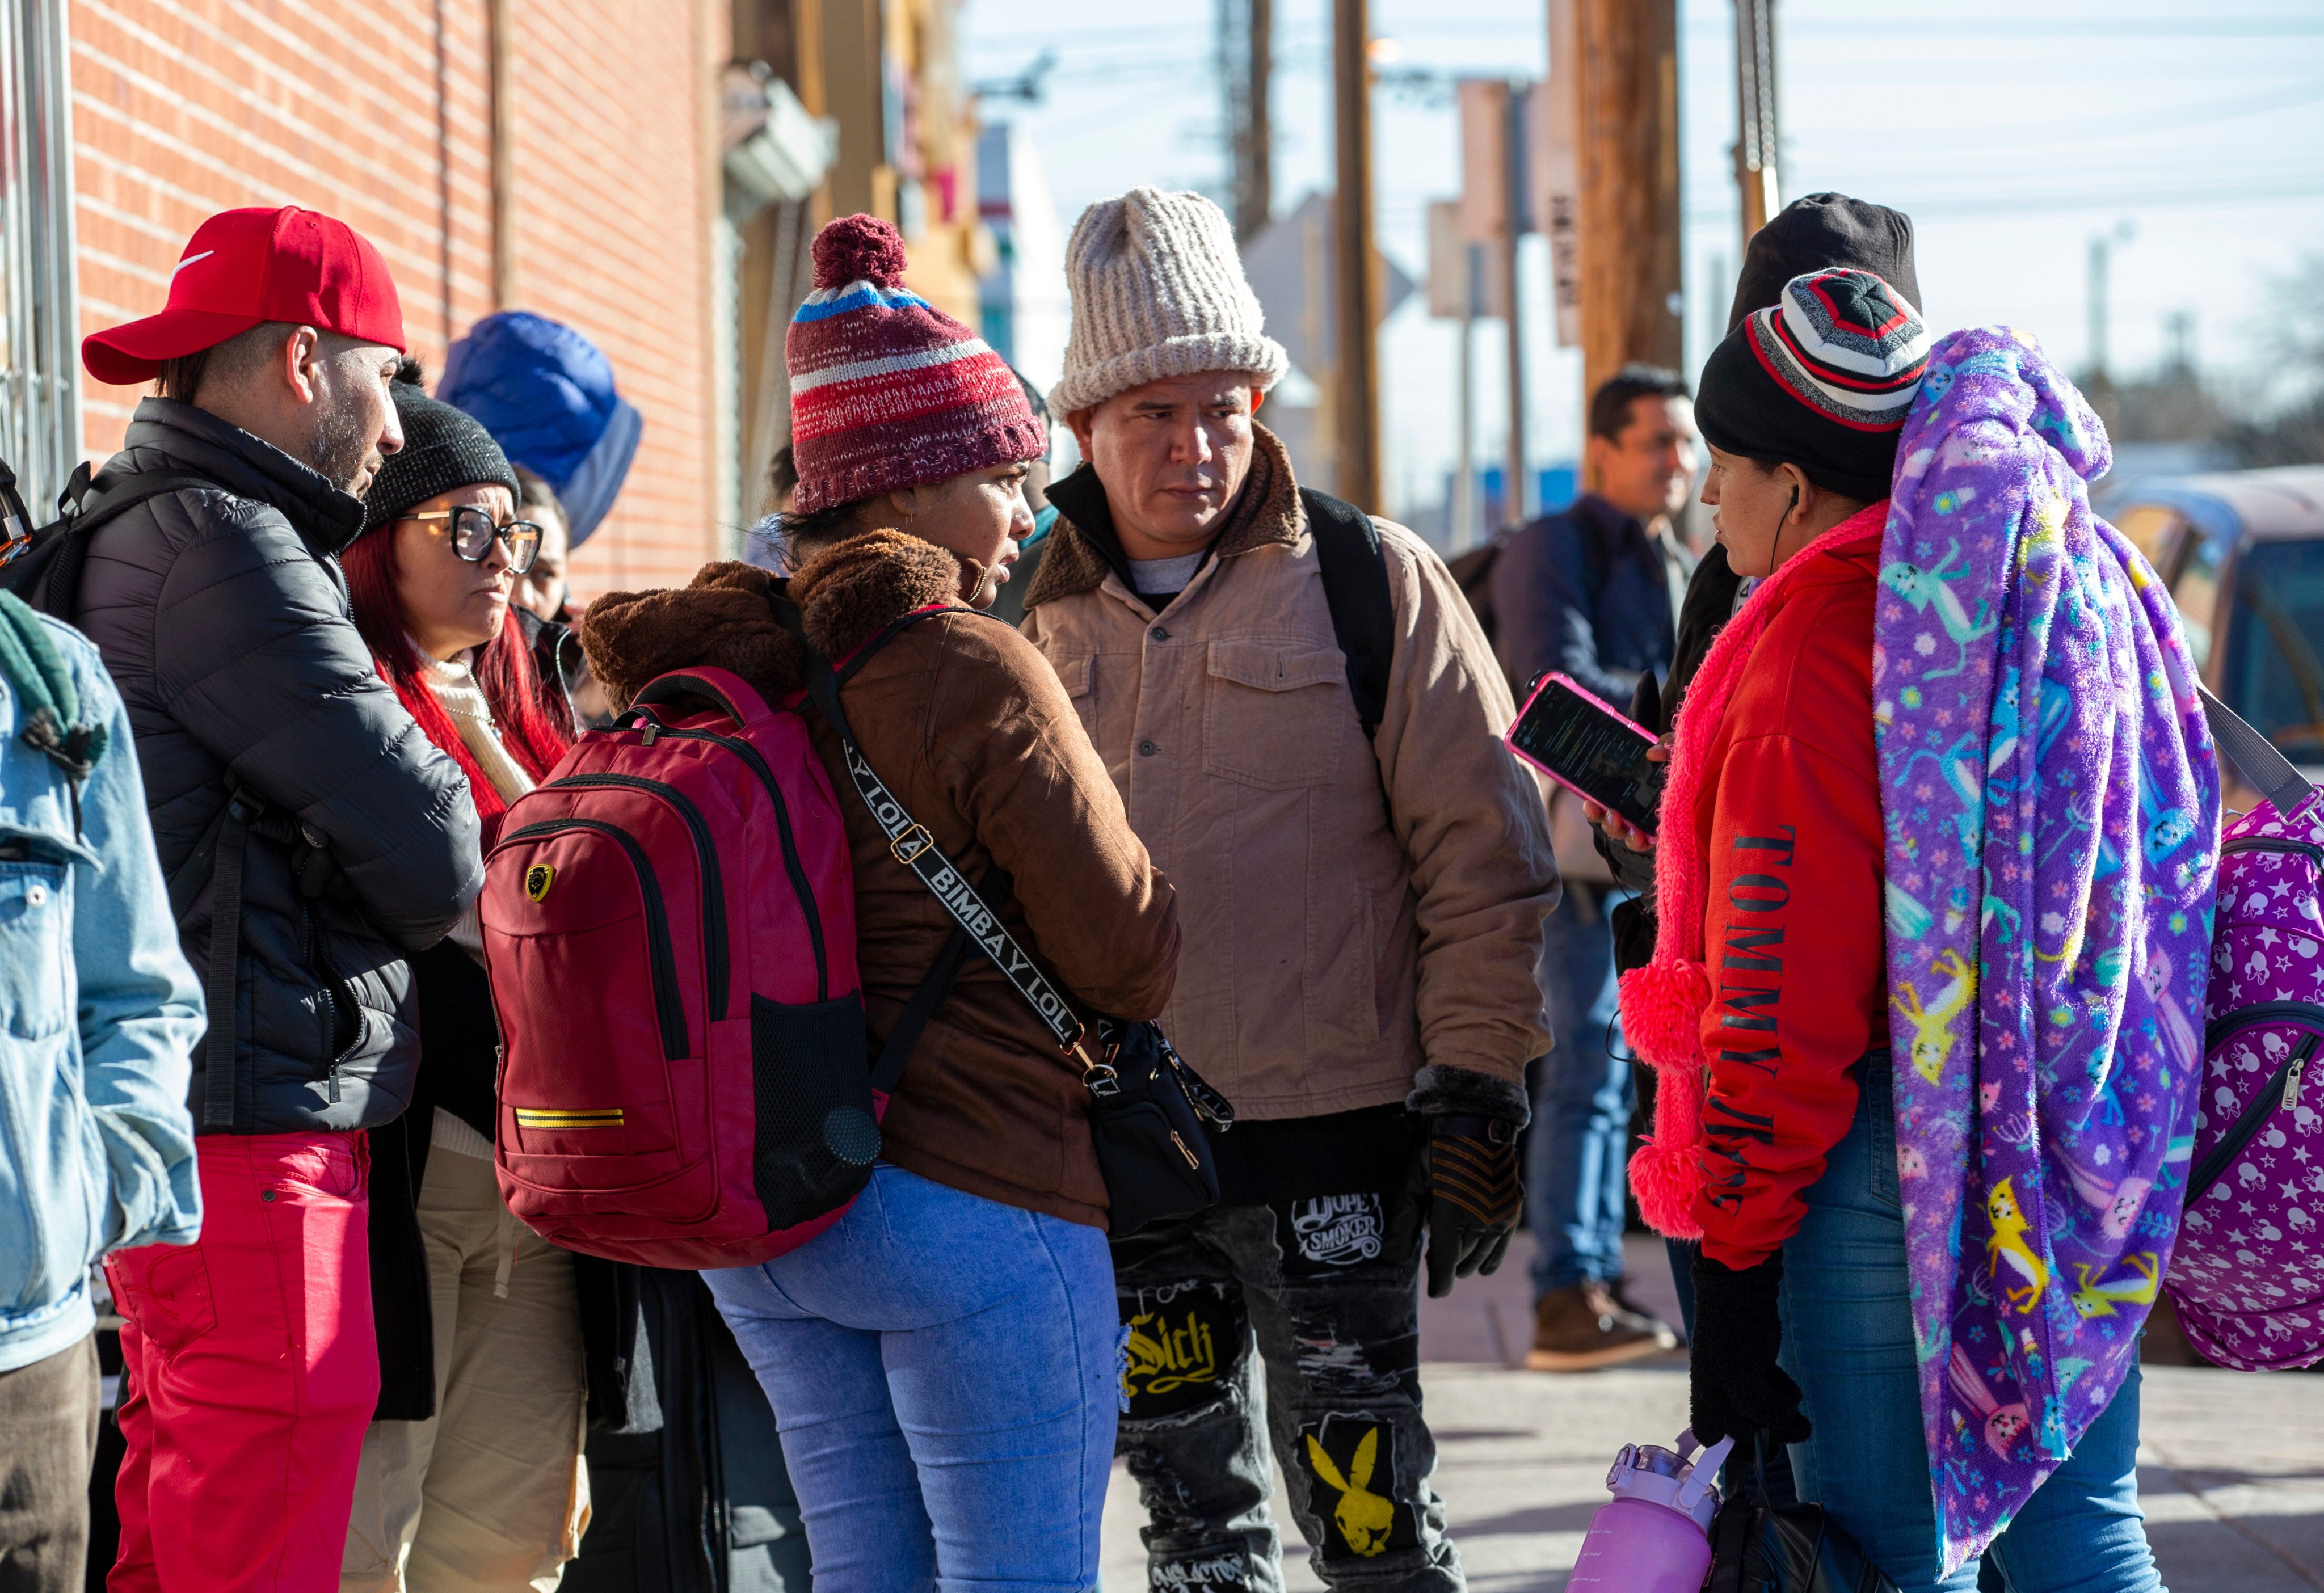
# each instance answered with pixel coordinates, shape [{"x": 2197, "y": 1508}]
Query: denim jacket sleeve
[{"x": 139, "y": 1008}]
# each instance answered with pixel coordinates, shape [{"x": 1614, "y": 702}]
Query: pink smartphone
[{"x": 1591, "y": 751}]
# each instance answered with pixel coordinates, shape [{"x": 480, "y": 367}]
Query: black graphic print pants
[{"x": 1287, "y": 1329}]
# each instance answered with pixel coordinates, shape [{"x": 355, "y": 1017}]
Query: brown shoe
[
  {"x": 1583, "y": 1327},
  {"x": 1628, "y": 1305}
]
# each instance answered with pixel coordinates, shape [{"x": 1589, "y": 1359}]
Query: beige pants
[{"x": 490, "y": 1496}]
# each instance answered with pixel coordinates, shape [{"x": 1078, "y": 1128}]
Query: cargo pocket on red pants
[{"x": 165, "y": 1290}]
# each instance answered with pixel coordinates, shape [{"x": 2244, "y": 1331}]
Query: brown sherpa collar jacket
[
  {"x": 847, "y": 596},
  {"x": 970, "y": 728},
  {"x": 1363, "y": 914}
]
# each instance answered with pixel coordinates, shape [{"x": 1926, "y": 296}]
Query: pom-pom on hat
[
  {"x": 1824, "y": 380},
  {"x": 887, "y": 391}
]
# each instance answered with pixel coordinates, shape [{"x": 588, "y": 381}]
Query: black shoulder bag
[
  {"x": 1759, "y": 1547},
  {"x": 1146, "y": 1104}
]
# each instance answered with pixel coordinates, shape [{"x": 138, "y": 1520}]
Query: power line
[
  {"x": 2162, "y": 119},
  {"x": 2093, "y": 31},
  {"x": 2124, "y": 200}
]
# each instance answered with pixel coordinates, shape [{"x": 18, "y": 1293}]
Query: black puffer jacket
[{"x": 223, "y": 617}]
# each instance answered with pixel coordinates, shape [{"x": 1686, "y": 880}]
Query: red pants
[{"x": 252, "y": 1370}]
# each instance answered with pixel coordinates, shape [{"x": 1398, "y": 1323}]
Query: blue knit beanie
[{"x": 545, "y": 393}]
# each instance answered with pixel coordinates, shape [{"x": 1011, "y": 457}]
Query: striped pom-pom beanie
[
  {"x": 1823, "y": 380},
  {"x": 887, "y": 392}
]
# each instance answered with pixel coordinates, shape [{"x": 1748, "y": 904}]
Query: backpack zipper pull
[
  {"x": 2291, "y": 1081},
  {"x": 646, "y": 739}
]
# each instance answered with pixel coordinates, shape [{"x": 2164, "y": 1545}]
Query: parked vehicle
[{"x": 2243, "y": 553}]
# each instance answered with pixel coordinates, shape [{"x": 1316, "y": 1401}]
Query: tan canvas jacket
[{"x": 1352, "y": 910}]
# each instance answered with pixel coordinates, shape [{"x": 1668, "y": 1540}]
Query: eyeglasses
[{"x": 474, "y": 532}]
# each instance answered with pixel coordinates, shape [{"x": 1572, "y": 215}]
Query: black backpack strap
[
  {"x": 19, "y": 527},
  {"x": 910, "y": 843},
  {"x": 2262, "y": 763},
  {"x": 1355, "y": 586},
  {"x": 935, "y": 988},
  {"x": 895, "y": 628},
  {"x": 226, "y": 952},
  {"x": 217, "y": 856},
  {"x": 52, "y": 585}
]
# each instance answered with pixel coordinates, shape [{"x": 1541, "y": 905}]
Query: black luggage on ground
[{"x": 689, "y": 1493}]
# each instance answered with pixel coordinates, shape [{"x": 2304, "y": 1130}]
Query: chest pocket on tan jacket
[
  {"x": 1275, "y": 712},
  {"x": 1079, "y": 677}
]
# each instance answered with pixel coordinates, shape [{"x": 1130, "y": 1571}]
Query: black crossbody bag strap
[{"x": 909, "y": 842}]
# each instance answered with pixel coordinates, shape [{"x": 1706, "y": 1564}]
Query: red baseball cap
[{"x": 244, "y": 267}]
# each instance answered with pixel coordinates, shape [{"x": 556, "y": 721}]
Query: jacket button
[
  {"x": 1147, "y": 749},
  {"x": 1159, "y": 634},
  {"x": 36, "y": 896}
]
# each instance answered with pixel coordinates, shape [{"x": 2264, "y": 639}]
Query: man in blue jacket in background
[
  {"x": 1593, "y": 591},
  {"x": 98, "y": 1016}
]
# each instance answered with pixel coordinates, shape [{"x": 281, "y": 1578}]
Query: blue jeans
[
  {"x": 1847, "y": 1340},
  {"x": 945, "y": 1373},
  {"x": 1577, "y": 1156}
]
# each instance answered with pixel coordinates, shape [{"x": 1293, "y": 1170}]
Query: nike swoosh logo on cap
[{"x": 189, "y": 260}]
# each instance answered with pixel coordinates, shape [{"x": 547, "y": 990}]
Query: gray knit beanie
[
  {"x": 1158, "y": 290},
  {"x": 444, "y": 449}
]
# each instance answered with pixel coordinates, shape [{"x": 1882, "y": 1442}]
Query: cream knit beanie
[{"x": 1158, "y": 291}]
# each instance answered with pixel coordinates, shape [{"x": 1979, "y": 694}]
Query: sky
[{"x": 2013, "y": 132}]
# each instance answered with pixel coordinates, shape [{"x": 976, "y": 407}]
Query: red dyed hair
[{"x": 530, "y": 721}]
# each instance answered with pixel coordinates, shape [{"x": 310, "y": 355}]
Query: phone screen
[{"x": 1587, "y": 747}]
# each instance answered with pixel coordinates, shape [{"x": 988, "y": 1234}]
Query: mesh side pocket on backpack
[{"x": 811, "y": 1077}]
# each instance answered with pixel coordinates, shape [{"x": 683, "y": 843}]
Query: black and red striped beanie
[
  {"x": 887, "y": 391},
  {"x": 1824, "y": 380}
]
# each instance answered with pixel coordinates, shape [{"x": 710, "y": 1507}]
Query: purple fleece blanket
[{"x": 2051, "y": 800}]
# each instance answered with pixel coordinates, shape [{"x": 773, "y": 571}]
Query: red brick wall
[{"x": 381, "y": 115}]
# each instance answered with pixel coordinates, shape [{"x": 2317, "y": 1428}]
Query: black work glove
[
  {"x": 1736, "y": 1387},
  {"x": 1470, "y": 1165}
]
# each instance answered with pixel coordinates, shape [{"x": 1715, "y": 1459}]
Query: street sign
[
  {"x": 1288, "y": 266},
  {"x": 1553, "y": 132},
  {"x": 1457, "y": 267},
  {"x": 1485, "y": 186}
]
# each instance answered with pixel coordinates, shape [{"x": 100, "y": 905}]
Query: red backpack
[{"x": 669, "y": 925}]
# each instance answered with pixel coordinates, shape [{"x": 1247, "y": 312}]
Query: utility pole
[
  {"x": 2102, "y": 246},
  {"x": 1464, "y": 496},
  {"x": 2178, "y": 338},
  {"x": 1246, "y": 64},
  {"x": 1456, "y": 291},
  {"x": 1757, "y": 140},
  {"x": 1513, "y": 164},
  {"x": 1631, "y": 304},
  {"x": 1356, "y": 284},
  {"x": 1256, "y": 197}
]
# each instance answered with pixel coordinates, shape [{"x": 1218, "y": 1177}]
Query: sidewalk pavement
[{"x": 2231, "y": 1468}]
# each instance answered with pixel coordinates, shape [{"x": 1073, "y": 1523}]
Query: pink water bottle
[{"x": 1655, "y": 1536}]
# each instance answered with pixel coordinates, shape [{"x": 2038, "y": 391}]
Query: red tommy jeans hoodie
[{"x": 1792, "y": 934}]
